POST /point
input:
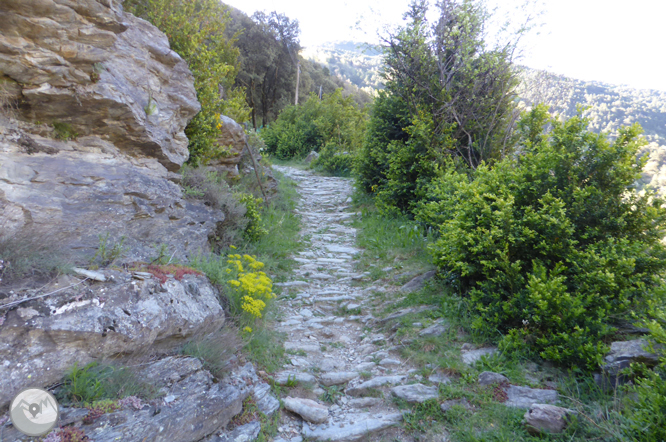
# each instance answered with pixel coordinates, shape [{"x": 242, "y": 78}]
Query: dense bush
[
  {"x": 553, "y": 246},
  {"x": 195, "y": 29},
  {"x": 335, "y": 122},
  {"x": 648, "y": 413}
]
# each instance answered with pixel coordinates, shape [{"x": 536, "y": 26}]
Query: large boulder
[
  {"x": 42, "y": 338},
  {"x": 100, "y": 70},
  {"x": 95, "y": 134}
]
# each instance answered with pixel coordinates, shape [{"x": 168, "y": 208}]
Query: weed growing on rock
[
  {"x": 31, "y": 253},
  {"x": 216, "y": 351},
  {"x": 107, "y": 253},
  {"x": 64, "y": 131}
]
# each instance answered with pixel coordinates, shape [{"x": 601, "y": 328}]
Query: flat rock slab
[
  {"x": 337, "y": 378},
  {"x": 525, "y": 397},
  {"x": 404, "y": 312},
  {"x": 469, "y": 357},
  {"x": 352, "y": 432},
  {"x": 418, "y": 282},
  {"x": 364, "y": 402},
  {"x": 244, "y": 433},
  {"x": 379, "y": 381},
  {"x": 266, "y": 402},
  {"x": 415, "y": 393},
  {"x": 439, "y": 378},
  {"x": 284, "y": 377},
  {"x": 489, "y": 378},
  {"x": 306, "y": 347},
  {"x": 544, "y": 418},
  {"x": 308, "y": 409},
  {"x": 334, "y": 248},
  {"x": 434, "y": 330}
]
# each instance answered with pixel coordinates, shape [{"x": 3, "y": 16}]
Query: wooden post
[{"x": 298, "y": 77}]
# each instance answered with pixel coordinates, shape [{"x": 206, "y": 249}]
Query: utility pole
[{"x": 298, "y": 77}]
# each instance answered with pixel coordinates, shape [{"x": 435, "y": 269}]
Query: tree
[{"x": 459, "y": 94}]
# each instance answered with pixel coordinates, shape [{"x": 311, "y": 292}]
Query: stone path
[{"x": 324, "y": 314}]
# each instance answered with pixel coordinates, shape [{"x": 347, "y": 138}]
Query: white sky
[{"x": 612, "y": 41}]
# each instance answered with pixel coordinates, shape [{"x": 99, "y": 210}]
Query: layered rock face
[
  {"x": 119, "y": 99},
  {"x": 41, "y": 339}
]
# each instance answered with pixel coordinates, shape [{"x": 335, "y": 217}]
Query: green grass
[
  {"x": 94, "y": 382},
  {"x": 32, "y": 254},
  {"x": 389, "y": 242},
  {"x": 215, "y": 351}
]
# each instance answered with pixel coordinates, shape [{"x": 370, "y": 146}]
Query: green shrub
[
  {"x": 551, "y": 247},
  {"x": 647, "y": 415},
  {"x": 94, "y": 381},
  {"x": 334, "y": 160},
  {"x": 64, "y": 131},
  {"x": 195, "y": 29},
  {"x": 254, "y": 229},
  {"x": 335, "y": 121}
]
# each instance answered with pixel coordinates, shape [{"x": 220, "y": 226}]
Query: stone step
[{"x": 360, "y": 428}]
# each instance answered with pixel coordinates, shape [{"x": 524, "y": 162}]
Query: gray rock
[
  {"x": 201, "y": 408},
  {"x": 489, "y": 378},
  {"x": 266, "y": 402},
  {"x": 379, "y": 381},
  {"x": 330, "y": 364},
  {"x": 633, "y": 351},
  {"x": 284, "y": 377},
  {"x": 365, "y": 366},
  {"x": 95, "y": 61},
  {"x": 335, "y": 248},
  {"x": 434, "y": 330},
  {"x": 447, "y": 405},
  {"x": 304, "y": 346},
  {"x": 311, "y": 157},
  {"x": 439, "y": 378},
  {"x": 352, "y": 432},
  {"x": 98, "y": 70},
  {"x": 469, "y": 357},
  {"x": 123, "y": 319},
  {"x": 622, "y": 354},
  {"x": 244, "y": 433},
  {"x": 525, "y": 397},
  {"x": 404, "y": 312},
  {"x": 364, "y": 402},
  {"x": 415, "y": 393},
  {"x": 337, "y": 378},
  {"x": 418, "y": 282},
  {"x": 96, "y": 276},
  {"x": 308, "y": 409},
  {"x": 388, "y": 362},
  {"x": 543, "y": 418}
]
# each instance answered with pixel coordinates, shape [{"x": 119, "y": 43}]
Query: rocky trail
[{"x": 327, "y": 318}]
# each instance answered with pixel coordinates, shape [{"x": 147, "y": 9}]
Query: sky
[{"x": 610, "y": 41}]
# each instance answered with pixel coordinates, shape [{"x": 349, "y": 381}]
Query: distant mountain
[{"x": 357, "y": 62}]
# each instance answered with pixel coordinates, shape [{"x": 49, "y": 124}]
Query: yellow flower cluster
[
  {"x": 219, "y": 121},
  {"x": 252, "y": 287}
]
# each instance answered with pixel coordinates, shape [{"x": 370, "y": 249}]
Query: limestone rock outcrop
[
  {"x": 43, "y": 338},
  {"x": 92, "y": 131},
  {"x": 106, "y": 73}
]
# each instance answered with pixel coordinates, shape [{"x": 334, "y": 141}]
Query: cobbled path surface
[{"x": 345, "y": 373}]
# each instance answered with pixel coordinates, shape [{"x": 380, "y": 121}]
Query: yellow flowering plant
[{"x": 250, "y": 288}]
